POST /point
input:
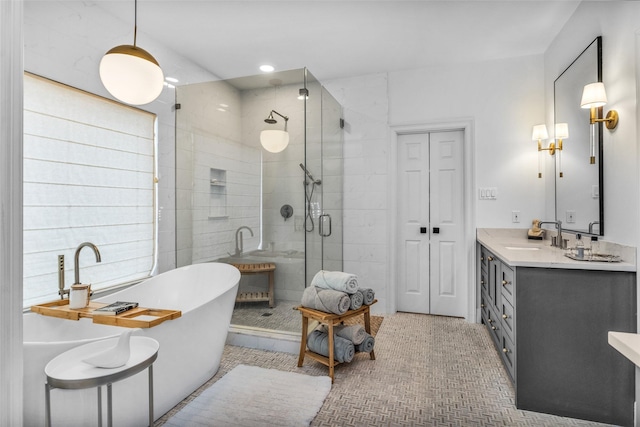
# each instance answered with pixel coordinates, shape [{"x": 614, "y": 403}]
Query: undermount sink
[{"x": 523, "y": 248}]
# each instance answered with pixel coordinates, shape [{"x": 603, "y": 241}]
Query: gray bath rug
[{"x": 249, "y": 396}]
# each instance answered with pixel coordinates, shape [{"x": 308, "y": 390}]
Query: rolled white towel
[
  {"x": 343, "y": 349},
  {"x": 356, "y": 300},
  {"x": 336, "y": 280},
  {"x": 354, "y": 333},
  {"x": 366, "y": 345},
  {"x": 368, "y": 295},
  {"x": 327, "y": 300}
]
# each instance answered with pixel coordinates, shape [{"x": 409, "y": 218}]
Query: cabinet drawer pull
[
  {"x": 482, "y": 282},
  {"x": 505, "y": 283},
  {"x": 494, "y": 328},
  {"x": 481, "y": 258},
  {"x": 490, "y": 258},
  {"x": 490, "y": 320},
  {"x": 482, "y": 306},
  {"x": 505, "y": 351},
  {"x": 504, "y": 316}
]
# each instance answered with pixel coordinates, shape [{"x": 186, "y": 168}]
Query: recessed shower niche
[
  {"x": 230, "y": 190},
  {"x": 217, "y": 193}
]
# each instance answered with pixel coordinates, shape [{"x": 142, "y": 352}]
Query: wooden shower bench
[{"x": 267, "y": 268}]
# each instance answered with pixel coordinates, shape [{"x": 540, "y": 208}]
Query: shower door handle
[{"x": 324, "y": 219}]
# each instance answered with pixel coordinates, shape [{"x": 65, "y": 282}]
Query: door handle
[
  {"x": 322, "y": 229},
  {"x": 436, "y": 230}
]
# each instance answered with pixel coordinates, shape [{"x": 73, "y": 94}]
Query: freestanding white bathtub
[{"x": 190, "y": 347}]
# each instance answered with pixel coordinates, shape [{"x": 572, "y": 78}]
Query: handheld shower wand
[
  {"x": 315, "y": 181},
  {"x": 308, "y": 195}
]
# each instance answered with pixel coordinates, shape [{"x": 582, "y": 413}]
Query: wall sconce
[
  {"x": 562, "y": 132},
  {"x": 594, "y": 97},
  {"x": 274, "y": 140},
  {"x": 540, "y": 133}
]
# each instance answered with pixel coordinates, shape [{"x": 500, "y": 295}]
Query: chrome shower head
[{"x": 270, "y": 119}]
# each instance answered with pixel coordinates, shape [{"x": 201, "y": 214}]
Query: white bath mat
[{"x": 250, "y": 396}]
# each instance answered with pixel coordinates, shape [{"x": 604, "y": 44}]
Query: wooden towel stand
[{"x": 330, "y": 320}]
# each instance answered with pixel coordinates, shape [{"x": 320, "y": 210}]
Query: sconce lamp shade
[
  {"x": 539, "y": 132},
  {"x": 562, "y": 131},
  {"x": 131, "y": 74},
  {"x": 274, "y": 140},
  {"x": 593, "y": 95}
]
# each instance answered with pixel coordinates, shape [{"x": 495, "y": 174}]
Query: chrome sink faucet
[
  {"x": 239, "y": 243},
  {"x": 558, "y": 243}
]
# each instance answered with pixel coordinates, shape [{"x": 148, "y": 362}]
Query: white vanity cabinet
[{"x": 550, "y": 328}]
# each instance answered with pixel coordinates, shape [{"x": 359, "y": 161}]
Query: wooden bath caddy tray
[{"x": 138, "y": 317}]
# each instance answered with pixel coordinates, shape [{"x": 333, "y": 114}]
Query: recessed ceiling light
[
  {"x": 171, "y": 79},
  {"x": 267, "y": 68}
]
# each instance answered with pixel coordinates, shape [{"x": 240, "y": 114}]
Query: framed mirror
[{"x": 578, "y": 182}]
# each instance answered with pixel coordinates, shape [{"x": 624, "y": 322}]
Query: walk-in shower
[{"x": 227, "y": 178}]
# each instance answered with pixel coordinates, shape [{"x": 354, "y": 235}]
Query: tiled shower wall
[
  {"x": 282, "y": 176},
  {"x": 218, "y": 129},
  {"x": 209, "y": 137}
]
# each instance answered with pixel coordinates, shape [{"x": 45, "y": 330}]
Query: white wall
[
  {"x": 502, "y": 98},
  {"x": 617, "y": 23},
  {"x": 11, "y": 365}
]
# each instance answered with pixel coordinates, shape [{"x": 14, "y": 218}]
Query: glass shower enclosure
[{"x": 237, "y": 202}]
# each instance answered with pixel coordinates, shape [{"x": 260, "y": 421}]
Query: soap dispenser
[{"x": 579, "y": 246}]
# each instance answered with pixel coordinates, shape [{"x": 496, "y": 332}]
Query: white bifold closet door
[{"x": 430, "y": 224}]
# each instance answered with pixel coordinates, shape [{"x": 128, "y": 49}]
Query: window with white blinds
[{"x": 89, "y": 176}]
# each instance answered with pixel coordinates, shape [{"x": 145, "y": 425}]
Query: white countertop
[
  {"x": 513, "y": 247},
  {"x": 626, "y": 343}
]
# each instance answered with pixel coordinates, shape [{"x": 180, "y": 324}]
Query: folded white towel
[{"x": 336, "y": 280}]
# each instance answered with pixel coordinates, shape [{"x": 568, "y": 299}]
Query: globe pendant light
[{"x": 131, "y": 74}]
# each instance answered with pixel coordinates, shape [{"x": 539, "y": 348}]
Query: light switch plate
[{"x": 488, "y": 193}]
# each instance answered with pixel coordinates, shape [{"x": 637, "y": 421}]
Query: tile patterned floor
[
  {"x": 429, "y": 371},
  {"x": 282, "y": 317}
]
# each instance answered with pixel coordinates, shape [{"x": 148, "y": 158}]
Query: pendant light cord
[{"x": 135, "y": 22}]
